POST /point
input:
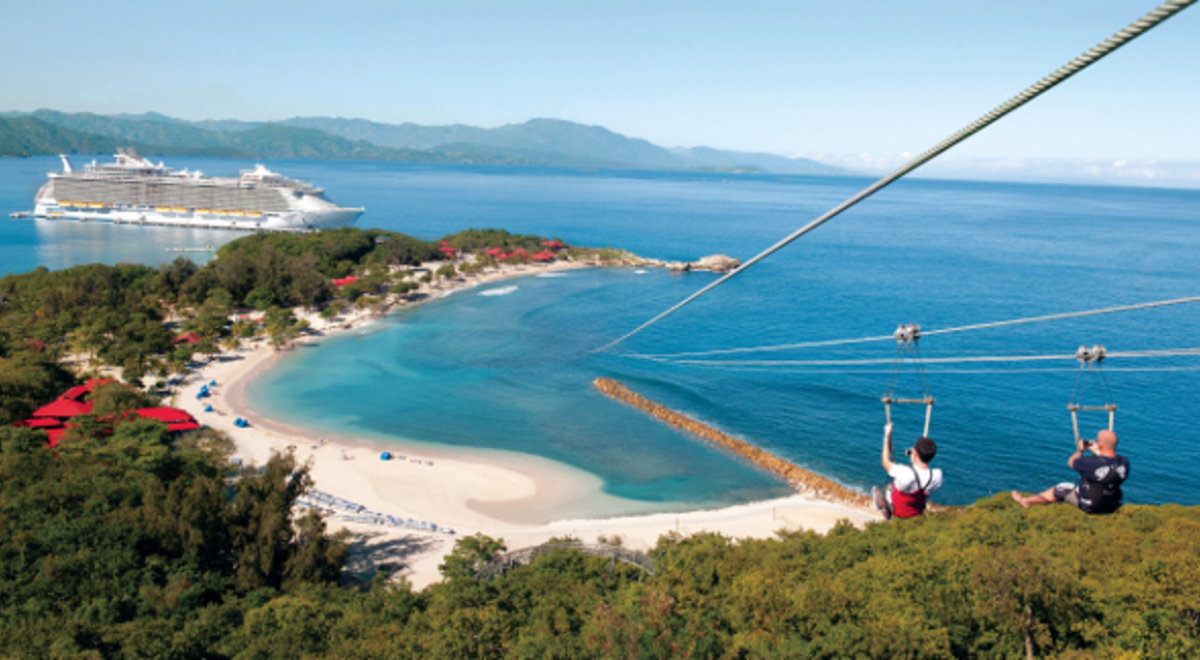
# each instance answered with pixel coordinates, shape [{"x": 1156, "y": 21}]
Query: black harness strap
[{"x": 917, "y": 478}]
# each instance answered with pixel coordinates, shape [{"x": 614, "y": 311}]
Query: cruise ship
[{"x": 133, "y": 190}]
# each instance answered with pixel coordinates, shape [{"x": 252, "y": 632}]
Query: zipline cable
[
  {"x": 938, "y": 372},
  {"x": 1122, "y": 37},
  {"x": 926, "y": 333},
  {"x": 1148, "y": 354}
]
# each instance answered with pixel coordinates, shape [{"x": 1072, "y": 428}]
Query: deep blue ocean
[{"x": 512, "y": 369}]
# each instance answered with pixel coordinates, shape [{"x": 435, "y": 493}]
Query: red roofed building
[
  {"x": 187, "y": 338},
  {"x": 51, "y": 417},
  {"x": 40, "y": 423},
  {"x": 63, "y": 409},
  {"x": 55, "y": 436},
  {"x": 54, "y": 428},
  {"x": 78, "y": 392},
  {"x": 174, "y": 418}
]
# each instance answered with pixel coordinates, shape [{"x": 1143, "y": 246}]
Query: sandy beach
[{"x": 524, "y": 500}]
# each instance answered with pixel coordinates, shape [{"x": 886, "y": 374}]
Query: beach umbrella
[
  {"x": 385, "y": 456},
  {"x": 208, "y": 408}
]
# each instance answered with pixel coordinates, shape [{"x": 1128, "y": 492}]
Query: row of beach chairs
[{"x": 355, "y": 512}]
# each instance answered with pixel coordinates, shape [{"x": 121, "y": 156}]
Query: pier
[{"x": 802, "y": 480}]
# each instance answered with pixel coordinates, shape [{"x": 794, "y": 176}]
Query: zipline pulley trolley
[
  {"x": 908, "y": 358},
  {"x": 1091, "y": 375}
]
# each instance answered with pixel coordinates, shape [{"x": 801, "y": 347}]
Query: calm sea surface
[{"x": 508, "y": 366}]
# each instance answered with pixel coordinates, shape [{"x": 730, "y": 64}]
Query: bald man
[{"x": 1101, "y": 473}]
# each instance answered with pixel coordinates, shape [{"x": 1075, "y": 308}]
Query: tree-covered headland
[{"x": 125, "y": 541}]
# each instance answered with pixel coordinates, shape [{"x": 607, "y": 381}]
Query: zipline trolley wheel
[
  {"x": 908, "y": 355},
  {"x": 1091, "y": 373}
]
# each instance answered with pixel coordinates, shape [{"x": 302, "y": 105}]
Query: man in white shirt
[{"x": 910, "y": 484}]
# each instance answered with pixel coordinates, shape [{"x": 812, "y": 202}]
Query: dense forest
[
  {"x": 131, "y": 545},
  {"x": 126, "y": 541}
]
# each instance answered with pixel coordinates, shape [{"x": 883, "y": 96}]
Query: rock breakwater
[{"x": 799, "y": 478}]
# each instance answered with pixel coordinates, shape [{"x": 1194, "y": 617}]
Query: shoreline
[{"x": 522, "y": 499}]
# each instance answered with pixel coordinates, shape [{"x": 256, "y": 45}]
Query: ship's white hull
[
  {"x": 135, "y": 191},
  {"x": 282, "y": 221}
]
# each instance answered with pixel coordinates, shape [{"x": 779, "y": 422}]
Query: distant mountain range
[{"x": 540, "y": 142}]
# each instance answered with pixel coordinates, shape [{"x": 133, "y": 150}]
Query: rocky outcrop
[{"x": 717, "y": 263}]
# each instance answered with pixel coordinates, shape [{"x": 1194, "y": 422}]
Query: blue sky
[{"x": 860, "y": 81}]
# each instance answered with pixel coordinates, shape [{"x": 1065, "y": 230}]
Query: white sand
[{"x": 523, "y": 500}]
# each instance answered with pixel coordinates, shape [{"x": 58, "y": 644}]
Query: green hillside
[
  {"x": 136, "y": 131},
  {"x": 541, "y": 142},
  {"x": 28, "y": 136}
]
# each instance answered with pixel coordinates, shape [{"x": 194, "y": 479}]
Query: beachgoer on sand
[
  {"x": 910, "y": 484},
  {"x": 1100, "y": 477}
]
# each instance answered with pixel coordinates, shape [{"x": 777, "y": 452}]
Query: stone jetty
[{"x": 799, "y": 478}]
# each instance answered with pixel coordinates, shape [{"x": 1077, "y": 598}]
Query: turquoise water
[
  {"x": 505, "y": 366},
  {"x": 513, "y": 371}
]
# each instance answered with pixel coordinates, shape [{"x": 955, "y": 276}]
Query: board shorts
[{"x": 1067, "y": 492}]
